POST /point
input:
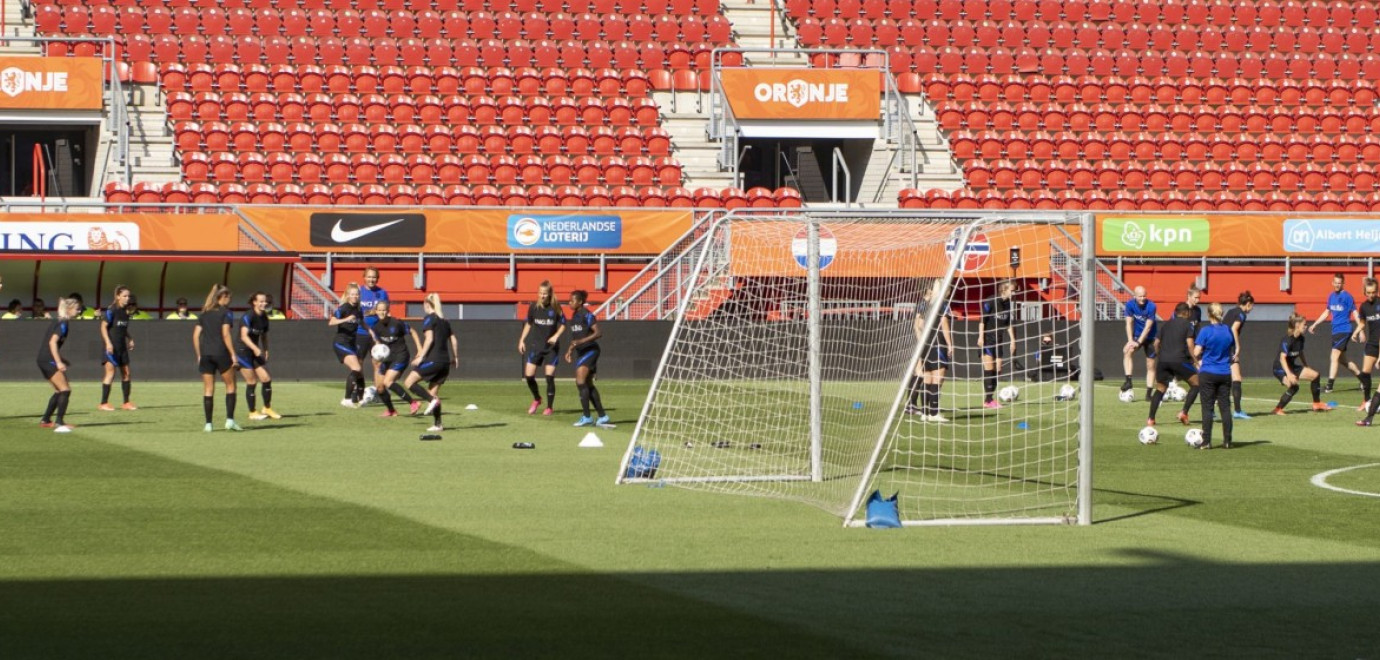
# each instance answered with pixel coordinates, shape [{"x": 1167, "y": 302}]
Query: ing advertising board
[{"x": 118, "y": 232}]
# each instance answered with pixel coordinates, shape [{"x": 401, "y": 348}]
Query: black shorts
[
  {"x": 434, "y": 373},
  {"x": 214, "y": 364},
  {"x": 119, "y": 358},
  {"x": 1149, "y": 348},
  {"x": 343, "y": 349},
  {"x": 395, "y": 362},
  {"x": 49, "y": 368},
  {"x": 1279, "y": 372},
  {"x": 998, "y": 350},
  {"x": 248, "y": 360},
  {"x": 587, "y": 357},
  {"x": 935, "y": 359},
  {"x": 363, "y": 344},
  {"x": 1372, "y": 350},
  {"x": 1341, "y": 341},
  {"x": 540, "y": 356},
  {"x": 1166, "y": 371}
]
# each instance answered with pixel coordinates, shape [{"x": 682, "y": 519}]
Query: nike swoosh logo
[{"x": 341, "y": 235}]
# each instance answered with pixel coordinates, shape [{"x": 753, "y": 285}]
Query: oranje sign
[
  {"x": 471, "y": 231},
  {"x": 1236, "y": 235},
  {"x": 122, "y": 232},
  {"x": 795, "y": 94},
  {"x": 52, "y": 83},
  {"x": 877, "y": 249}
]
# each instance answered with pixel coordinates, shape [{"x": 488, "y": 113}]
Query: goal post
[{"x": 789, "y": 368}]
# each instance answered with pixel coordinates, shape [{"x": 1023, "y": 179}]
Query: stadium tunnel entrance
[
  {"x": 805, "y": 164},
  {"x": 52, "y": 160}
]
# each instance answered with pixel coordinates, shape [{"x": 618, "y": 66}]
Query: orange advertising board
[
  {"x": 118, "y": 232},
  {"x": 800, "y": 94},
  {"x": 471, "y": 231},
  {"x": 871, "y": 249},
  {"x": 1196, "y": 235},
  {"x": 51, "y": 83}
]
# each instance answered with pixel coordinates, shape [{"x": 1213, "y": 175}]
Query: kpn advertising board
[{"x": 1236, "y": 235}]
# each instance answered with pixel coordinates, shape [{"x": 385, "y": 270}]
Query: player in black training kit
[
  {"x": 435, "y": 357},
  {"x": 213, "y": 344},
  {"x": 1195, "y": 319},
  {"x": 347, "y": 320},
  {"x": 1235, "y": 319},
  {"x": 54, "y": 367},
  {"x": 1175, "y": 359},
  {"x": 118, "y": 344},
  {"x": 1368, "y": 332},
  {"x": 393, "y": 332},
  {"x": 583, "y": 352},
  {"x": 1291, "y": 367},
  {"x": 545, "y": 323},
  {"x": 938, "y": 349},
  {"x": 996, "y": 338},
  {"x": 251, "y": 355}
]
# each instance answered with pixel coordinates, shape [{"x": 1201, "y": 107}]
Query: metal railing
[{"x": 655, "y": 291}]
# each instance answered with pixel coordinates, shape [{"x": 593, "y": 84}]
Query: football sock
[
  {"x": 1374, "y": 403},
  {"x": 105, "y": 393},
  {"x": 532, "y": 385},
  {"x": 125, "y": 387},
  {"x": 1127, "y": 384},
  {"x": 1330, "y": 383},
  {"x": 208, "y": 406},
  {"x": 932, "y": 398},
  {"x": 397, "y": 389},
  {"x": 584, "y": 397},
  {"x": 989, "y": 383},
  {"x": 52, "y": 408},
  {"x": 914, "y": 389},
  {"x": 595, "y": 399},
  {"x": 63, "y": 398},
  {"x": 230, "y": 405},
  {"x": 1288, "y": 395},
  {"x": 268, "y": 393},
  {"x": 1365, "y": 385},
  {"x": 1236, "y": 395},
  {"x": 550, "y": 391},
  {"x": 251, "y": 398},
  {"x": 350, "y": 385},
  {"x": 1313, "y": 389},
  {"x": 355, "y": 389},
  {"x": 436, "y": 415},
  {"x": 1149, "y": 392},
  {"x": 387, "y": 400},
  {"x": 420, "y": 392},
  {"x": 1192, "y": 396},
  {"x": 1155, "y": 398}
]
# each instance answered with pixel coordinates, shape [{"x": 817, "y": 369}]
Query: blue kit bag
[
  {"x": 882, "y": 513},
  {"x": 643, "y": 464}
]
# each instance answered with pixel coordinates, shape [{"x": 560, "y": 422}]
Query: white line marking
[{"x": 1320, "y": 480}]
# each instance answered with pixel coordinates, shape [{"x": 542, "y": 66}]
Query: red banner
[
  {"x": 52, "y": 83},
  {"x": 795, "y": 94},
  {"x": 125, "y": 232},
  {"x": 471, "y": 231}
]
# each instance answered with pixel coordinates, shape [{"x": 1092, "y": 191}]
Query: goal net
[{"x": 791, "y": 369}]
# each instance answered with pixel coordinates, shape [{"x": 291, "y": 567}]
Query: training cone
[
  {"x": 591, "y": 441},
  {"x": 471, "y": 407}
]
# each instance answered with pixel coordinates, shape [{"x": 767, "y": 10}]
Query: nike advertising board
[{"x": 368, "y": 230}]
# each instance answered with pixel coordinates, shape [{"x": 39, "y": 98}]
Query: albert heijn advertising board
[
  {"x": 1257, "y": 235},
  {"x": 51, "y": 83},
  {"x": 471, "y": 231},
  {"x": 887, "y": 249},
  {"x": 24, "y": 234},
  {"x": 803, "y": 94}
]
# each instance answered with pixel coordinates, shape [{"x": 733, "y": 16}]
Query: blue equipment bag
[
  {"x": 643, "y": 464},
  {"x": 882, "y": 513}
]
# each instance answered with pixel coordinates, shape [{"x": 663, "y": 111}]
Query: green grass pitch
[{"x": 333, "y": 533}]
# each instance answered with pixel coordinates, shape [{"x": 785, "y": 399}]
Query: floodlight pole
[
  {"x": 816, "y": 361},
  {"x": 1087, "y": 320}
]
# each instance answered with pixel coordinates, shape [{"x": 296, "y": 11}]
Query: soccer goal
[{"x": 789, "y": 370}]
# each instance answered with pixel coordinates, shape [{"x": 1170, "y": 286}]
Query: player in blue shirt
[
  {"x": 1215, "y": 348},
  {"x": 369, "y": 295},
  {"x": 1341, "y": 307},
  {"x": 1141, "y": 325}
]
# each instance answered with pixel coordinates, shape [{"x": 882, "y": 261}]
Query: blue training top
[
  {"x": 367, "y": 299},
  {"x": 1218, "y": 346},
  {"x": 1341, "y": 304},
  {"x": 1140, "y": 316}
]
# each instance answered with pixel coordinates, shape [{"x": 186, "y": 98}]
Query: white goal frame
[{"x": 709, "y": 265}]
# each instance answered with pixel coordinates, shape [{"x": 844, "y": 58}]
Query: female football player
[
  {"x": 347, "y": 321},
  {"x": 436, "y": 356},
  {"x": 213, "y": 344},
  {"x": 583, "y": 352},
  {"x": 393, "y": 332},
  {"x": 545, "y": 323},
  {"x": 54, "y": 367},
  {"x": 118, "y": 344},
  {"x": 251, "y": 355}
]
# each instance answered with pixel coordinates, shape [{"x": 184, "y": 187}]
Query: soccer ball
[
  {"x": 369, "y": 394},
  {"x": 1127, "y": 396},
  {"x": 1175, "y": 393},
  {"x": 1149, "y": 436},
  {"x": 1194, "y": 437},
  {"x": 1009, "y": 393},
  {"x": 1066, "y": 393},
  {"x": 380, "y": 352}
]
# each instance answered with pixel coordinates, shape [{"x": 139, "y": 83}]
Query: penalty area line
[{"x": 1320, "y": 480}]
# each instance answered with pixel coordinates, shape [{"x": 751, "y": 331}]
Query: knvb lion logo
[{"x": 15, "y": 81}]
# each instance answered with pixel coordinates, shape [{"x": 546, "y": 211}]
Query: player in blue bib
[
  {"x": 1215, "y": 348},
  {"x": 1341, "y": 309},
  {"x": 1141, "y": 325}
]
